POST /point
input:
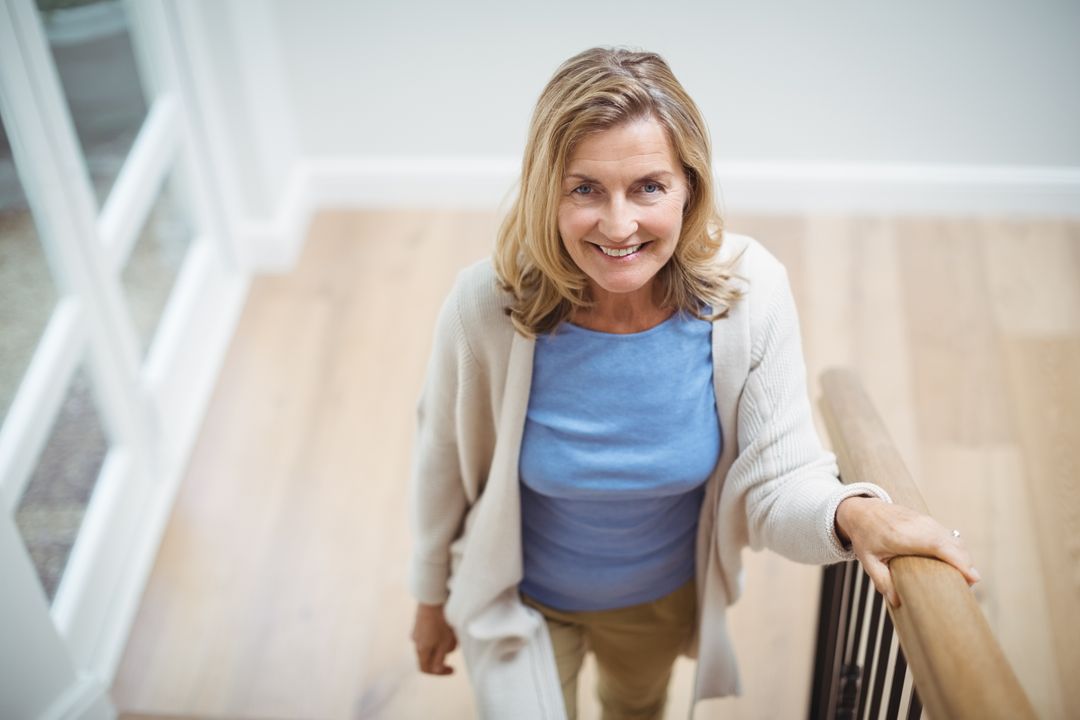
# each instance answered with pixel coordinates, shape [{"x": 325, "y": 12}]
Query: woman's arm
[
  {"x": 785, "y": 478},
  {"x": 437, "y": 498},
  {"x": 795, "y": 503}
]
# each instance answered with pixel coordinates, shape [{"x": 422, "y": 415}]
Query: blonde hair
[{"x": 593, "y": 91}]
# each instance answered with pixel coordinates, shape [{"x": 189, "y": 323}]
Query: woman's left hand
[{"x": 879, "y": 531}]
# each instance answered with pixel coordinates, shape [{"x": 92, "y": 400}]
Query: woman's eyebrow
[
  {"x": 647, "y": 176},
  {"x": 579, "y": 176}
]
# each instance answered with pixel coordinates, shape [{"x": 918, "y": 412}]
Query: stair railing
[{"x": 957, "y": 668}]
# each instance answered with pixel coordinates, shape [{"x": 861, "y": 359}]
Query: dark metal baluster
[
  {"x": 831, "y": 631},
  {"x": 871, "y": 647},
  {"x": 899, "y": 673},
  {"x": 855, "y": 612},
  {"x": 915, "y": 704},
  {"x": 850, "y": 673},
  {"x": 850, "y": 570},
  {"x": 845, "y": 681},
  {"x": 820, "y": 689},
  {"x": 882, "y": 666},
  {"x": 848, "y": 701}
]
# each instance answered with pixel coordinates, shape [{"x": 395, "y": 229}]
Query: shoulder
[
  {"x": 767, "y": 307},
  {"x": 479, "y": 303},
  {"x": 757, "y": 272},
  {"x": 753, "y": 261},
  {"x": 480, "y": 299}
]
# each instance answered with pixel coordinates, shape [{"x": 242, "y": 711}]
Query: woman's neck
[{"x": 621, "y": 312}]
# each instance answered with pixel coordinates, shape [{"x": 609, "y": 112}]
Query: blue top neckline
[{"x": 641, "y": 333}]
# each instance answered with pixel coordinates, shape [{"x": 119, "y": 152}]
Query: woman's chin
[{"x": 624, "y": 285}]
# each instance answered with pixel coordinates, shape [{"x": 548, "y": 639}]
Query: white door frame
[{"x": 149, "y": 409}]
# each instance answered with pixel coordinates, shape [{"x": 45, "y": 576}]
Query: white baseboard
[
  {"x": 487, "y": 182},
  {"x": 272, "y": 245},
  {"x": 953, "y": 190}
]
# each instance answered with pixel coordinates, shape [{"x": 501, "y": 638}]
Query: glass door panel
[
  {"x": 91, "y": 47},
  {"x": 91, "y": 444},
  {"x": 51, "y": 509},
  {"x": 155, "y": 260},
  {"x": 29, "y": 293}
]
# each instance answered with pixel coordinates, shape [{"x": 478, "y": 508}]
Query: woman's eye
[
  {"x": 651, "y": 188},
  {"x": 582, "y": 190}
]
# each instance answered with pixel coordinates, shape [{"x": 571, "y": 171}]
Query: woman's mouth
[{"x": 620, "y": 253}]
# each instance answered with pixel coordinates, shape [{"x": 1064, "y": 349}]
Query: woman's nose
[{"x": 617, "y": 222}]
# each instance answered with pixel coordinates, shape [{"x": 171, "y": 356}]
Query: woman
[{"x": 615, "y": 406}]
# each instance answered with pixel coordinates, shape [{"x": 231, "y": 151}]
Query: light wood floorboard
[{"x": 279, "y": 589}]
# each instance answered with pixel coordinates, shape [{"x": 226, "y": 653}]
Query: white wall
[
  {"x": 959, "y": 82},
  {"x": 957, "y": 107},
  {"x": 218, "y": 34}
]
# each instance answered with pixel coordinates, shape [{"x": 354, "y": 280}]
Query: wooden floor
[{"x": 279, "y": 590}]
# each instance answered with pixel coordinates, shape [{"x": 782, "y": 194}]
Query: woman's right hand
[{"x": 434, "y": 639}]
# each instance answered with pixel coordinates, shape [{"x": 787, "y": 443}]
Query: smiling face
[{"x": 621, "y": 208}]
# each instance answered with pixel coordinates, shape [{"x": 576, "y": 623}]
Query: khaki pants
[{"x": 635, "y": 649}]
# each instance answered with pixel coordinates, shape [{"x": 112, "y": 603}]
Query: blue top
[{"x": 620, "y": 436}]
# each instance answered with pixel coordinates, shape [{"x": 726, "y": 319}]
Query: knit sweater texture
[{"x": 774, "y": 486}]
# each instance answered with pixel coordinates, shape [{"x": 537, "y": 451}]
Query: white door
[{"x": 114, "y": 270}]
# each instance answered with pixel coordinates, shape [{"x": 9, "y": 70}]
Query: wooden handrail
[{"x": 956, "y": 663}]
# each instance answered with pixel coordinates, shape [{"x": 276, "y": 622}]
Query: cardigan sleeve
[
  {"x": 437, "y": 498},
  {"x": 790, "y": 482}
]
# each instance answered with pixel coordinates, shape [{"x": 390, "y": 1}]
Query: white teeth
[{"x": 621, "y": 253}]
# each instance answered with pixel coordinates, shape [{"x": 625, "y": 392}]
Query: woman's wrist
[{"x": 848, "y": 514}]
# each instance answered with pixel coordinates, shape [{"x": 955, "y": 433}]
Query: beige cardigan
[{"x": 774, "y": 485}]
